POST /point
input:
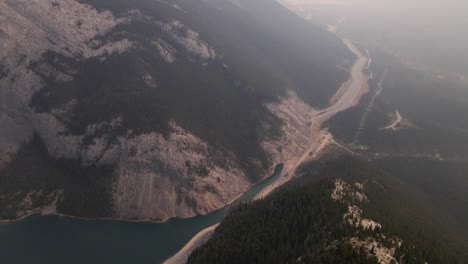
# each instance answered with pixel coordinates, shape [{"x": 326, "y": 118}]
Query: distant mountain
[
  {"x": 341, "y": 210},
  {"x": 151, "y": 109}
]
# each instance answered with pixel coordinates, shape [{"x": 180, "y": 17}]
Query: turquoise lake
[{"x": 55, "y": 239}]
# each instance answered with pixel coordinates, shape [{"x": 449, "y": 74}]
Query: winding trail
[{"x": 356, "y": 87}]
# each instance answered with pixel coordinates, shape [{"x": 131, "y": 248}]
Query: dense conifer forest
[{"x": 302, "y": 223}]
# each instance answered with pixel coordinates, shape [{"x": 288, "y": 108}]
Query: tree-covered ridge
[
  {"x": 311, "y": 221},
  {"x": 425, "y": 151},
  {"x": 279, "y": 229}
]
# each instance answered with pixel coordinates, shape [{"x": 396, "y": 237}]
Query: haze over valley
[{"x": 233, "y": 131}]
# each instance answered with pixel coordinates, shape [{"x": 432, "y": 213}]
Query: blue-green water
[{"x": 54, "y": 239}]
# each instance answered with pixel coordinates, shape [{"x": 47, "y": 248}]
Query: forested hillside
[
  {"x": 413, "y": 124},
  {"x": 340, "y": 211}
]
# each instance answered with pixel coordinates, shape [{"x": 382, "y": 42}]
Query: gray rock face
[
  {"x": 30, "y": 28},
  {"x": 165, "y": 50},
  {"x": 156, "y": 177},
  {"x": 189, "y": 39},
  {"x": 179, "y": 170},
  {"x": 176, "y": 176},
  {"x": 298, "y": 130}
]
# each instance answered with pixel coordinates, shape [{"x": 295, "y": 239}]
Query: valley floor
[{"x": 356, "y": 86}]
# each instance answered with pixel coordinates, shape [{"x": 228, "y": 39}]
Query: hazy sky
[
  {"x": 450, "y": 10},
  {"x": 444, "y": 18},
  {"x": 428, "y": 27}
]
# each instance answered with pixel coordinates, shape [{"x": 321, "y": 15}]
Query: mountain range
[{"x": 152, "y": 109}]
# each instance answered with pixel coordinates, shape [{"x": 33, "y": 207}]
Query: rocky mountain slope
[{"x": 152, "y": 109}]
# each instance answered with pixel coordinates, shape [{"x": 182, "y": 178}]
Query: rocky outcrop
[
  {"x": 378, "y": 245},
  {"x": 180, "y": 175},
  {"x": 160, "y": 177},
  {"x": 166, "y": 51},
  {"x": 189, "y": 40},
  {"x": 297, "y": 132},
  {"x": 26, "y": 206},
  {"x": 157, "y": 175},
  {"x": 29, "y": 29}
]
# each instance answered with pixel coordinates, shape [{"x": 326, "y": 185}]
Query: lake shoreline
[
  {"x": 199, "y": 239},
  {"x": 142, "y": 221},
  {"x": 167, "y": 237}
]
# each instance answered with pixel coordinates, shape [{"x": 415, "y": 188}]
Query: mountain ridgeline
[
  {"x": 154, "y": 109},
  {"x": 340, "y": 210}
]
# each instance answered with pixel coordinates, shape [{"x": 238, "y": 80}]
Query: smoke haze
[{"x": 430, "y": 31}]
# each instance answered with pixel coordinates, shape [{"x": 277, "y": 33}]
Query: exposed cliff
[{"x": 150, "y": 108}]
